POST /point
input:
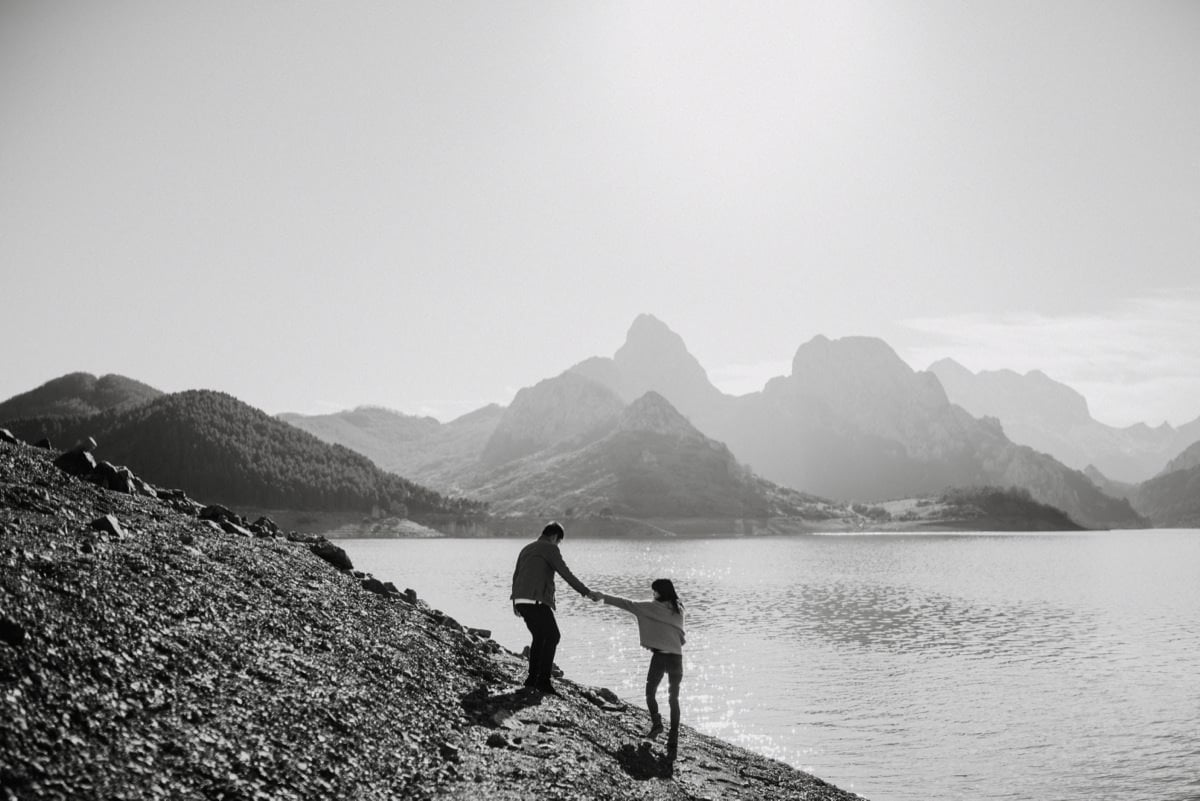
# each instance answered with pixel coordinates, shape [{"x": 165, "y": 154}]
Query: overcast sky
[{"x": 427, "y": 206}]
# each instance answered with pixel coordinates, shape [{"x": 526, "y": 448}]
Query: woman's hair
[{"x": 666, "y": 592}]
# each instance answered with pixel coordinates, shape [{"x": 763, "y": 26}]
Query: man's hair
[{"x": 553, "y": 529}]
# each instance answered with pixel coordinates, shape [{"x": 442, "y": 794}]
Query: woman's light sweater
[{"x": 659, "y": 626}]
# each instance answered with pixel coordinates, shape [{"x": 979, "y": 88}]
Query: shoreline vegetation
[
  {"x": 154, "y": 647},
  {"x": 971, "y": 509}
]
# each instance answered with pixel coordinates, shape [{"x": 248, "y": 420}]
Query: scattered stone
[
  {"x": 410, "y": 595},
  {"x": 608, "y": 695},
  {"x": 7, "y": 436},
  {"x": 485, "y": 634},
  {"x": 497, "y": 740},
  {"x": 333, "y": 555},
  {"x": 108, "y": 525},
  {"x": 391, "y": 588},
  {"x": 449, "y": 752}
]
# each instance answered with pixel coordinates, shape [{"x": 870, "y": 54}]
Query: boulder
[
  {"x": 219, "y": 513},
  {"x": 266, "y": 525},
  {"x": 332, "y": 554},
  {"x": 85, "y": 445},
  {"x": 230, "y": 527},
  {"x": 7, "y": 436},
  {"x": 374, "y": 585},
  {"x": 43, "y": 443},
  {"x": 109, "y": 525},
  {"x": 11, "y": 633},
  {"x": 123, "y": 481},
  {"x": 76, "y": 463}
]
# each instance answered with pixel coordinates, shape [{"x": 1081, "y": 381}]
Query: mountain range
[
  {"x": 220, "y": 449},
  {"x": 852, "y": 422},
  {"x": 644, "y": 434},
  {"x": 1049, "y": 416}
]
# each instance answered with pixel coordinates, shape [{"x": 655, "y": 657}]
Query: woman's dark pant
[
  {"x": 672, "y": 666},
  {"x": 539, "y": 619}
]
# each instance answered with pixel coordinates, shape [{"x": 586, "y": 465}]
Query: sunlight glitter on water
[{"x": 984, "y": 667}]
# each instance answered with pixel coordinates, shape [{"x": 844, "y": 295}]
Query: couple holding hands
[{"x": 660, "y": 624}]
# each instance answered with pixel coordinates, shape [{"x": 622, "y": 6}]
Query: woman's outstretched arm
[{"x": 618, "y": 601}]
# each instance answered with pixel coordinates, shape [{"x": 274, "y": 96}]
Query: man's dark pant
[
  {"x": 539, "y": 619},
  {"x": 672, "y": 666}
]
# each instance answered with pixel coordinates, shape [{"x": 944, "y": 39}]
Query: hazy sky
[{"x": 426, "y": 206}]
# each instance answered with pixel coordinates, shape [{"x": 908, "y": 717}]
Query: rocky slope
[
  {"x": 1172, "y": 498},
  {"x": 147, "y": 652}
]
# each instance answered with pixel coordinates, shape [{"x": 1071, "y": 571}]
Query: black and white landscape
[{"x": 873, "y": 326}]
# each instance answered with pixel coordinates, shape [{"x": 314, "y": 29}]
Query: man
[{"x": 533, "y": 599}]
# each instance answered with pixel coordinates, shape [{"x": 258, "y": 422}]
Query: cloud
[{"x": 1139, "y": 362}]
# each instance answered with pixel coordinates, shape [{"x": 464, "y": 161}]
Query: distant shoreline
[{"x": 350, "y": 525}]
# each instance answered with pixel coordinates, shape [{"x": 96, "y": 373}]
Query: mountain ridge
[{"x": 1037, "y": 411}]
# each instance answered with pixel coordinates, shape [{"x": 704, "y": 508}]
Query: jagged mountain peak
[
  {"x": 565, "y": 408},
  {"x": 848, "y": 354},
  {"x": 650, "y": 339},
  {"x": 1012, "y": 396},
  {"x": 862, "y": 376},
  {"x": 654, "y": 358},
  {"x": 654, "y": 413}
]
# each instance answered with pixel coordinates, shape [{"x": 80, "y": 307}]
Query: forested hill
[
  {"x": 215, "y": 447},
  {"x": 76, "y": 395}
]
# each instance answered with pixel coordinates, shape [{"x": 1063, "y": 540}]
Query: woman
[{"x": 660, "y": 626}]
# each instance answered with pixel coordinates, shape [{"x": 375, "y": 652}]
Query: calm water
[{"x": 1044, "y": 666}]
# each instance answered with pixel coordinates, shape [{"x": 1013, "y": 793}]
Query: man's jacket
[{"x": 534, "y": 577}]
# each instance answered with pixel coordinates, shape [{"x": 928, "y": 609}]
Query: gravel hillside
[{"x": 183, "y": 653}]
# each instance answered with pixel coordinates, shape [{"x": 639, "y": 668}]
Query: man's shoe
[
  {"x": 656, "y": 729},
  {"x": 546, "y": 688}
]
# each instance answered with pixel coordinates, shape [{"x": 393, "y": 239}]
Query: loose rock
[{"x": 109, "y": 525}]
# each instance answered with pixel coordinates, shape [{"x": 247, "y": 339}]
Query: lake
[{"x": 899, "y": 667}]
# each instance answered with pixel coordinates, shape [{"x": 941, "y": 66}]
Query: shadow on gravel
[
  {"x": 641, "y": 763},
  {"x": 492, "y": 710}
]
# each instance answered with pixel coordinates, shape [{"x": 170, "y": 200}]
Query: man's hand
[{"x": 596, "y": 596}]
